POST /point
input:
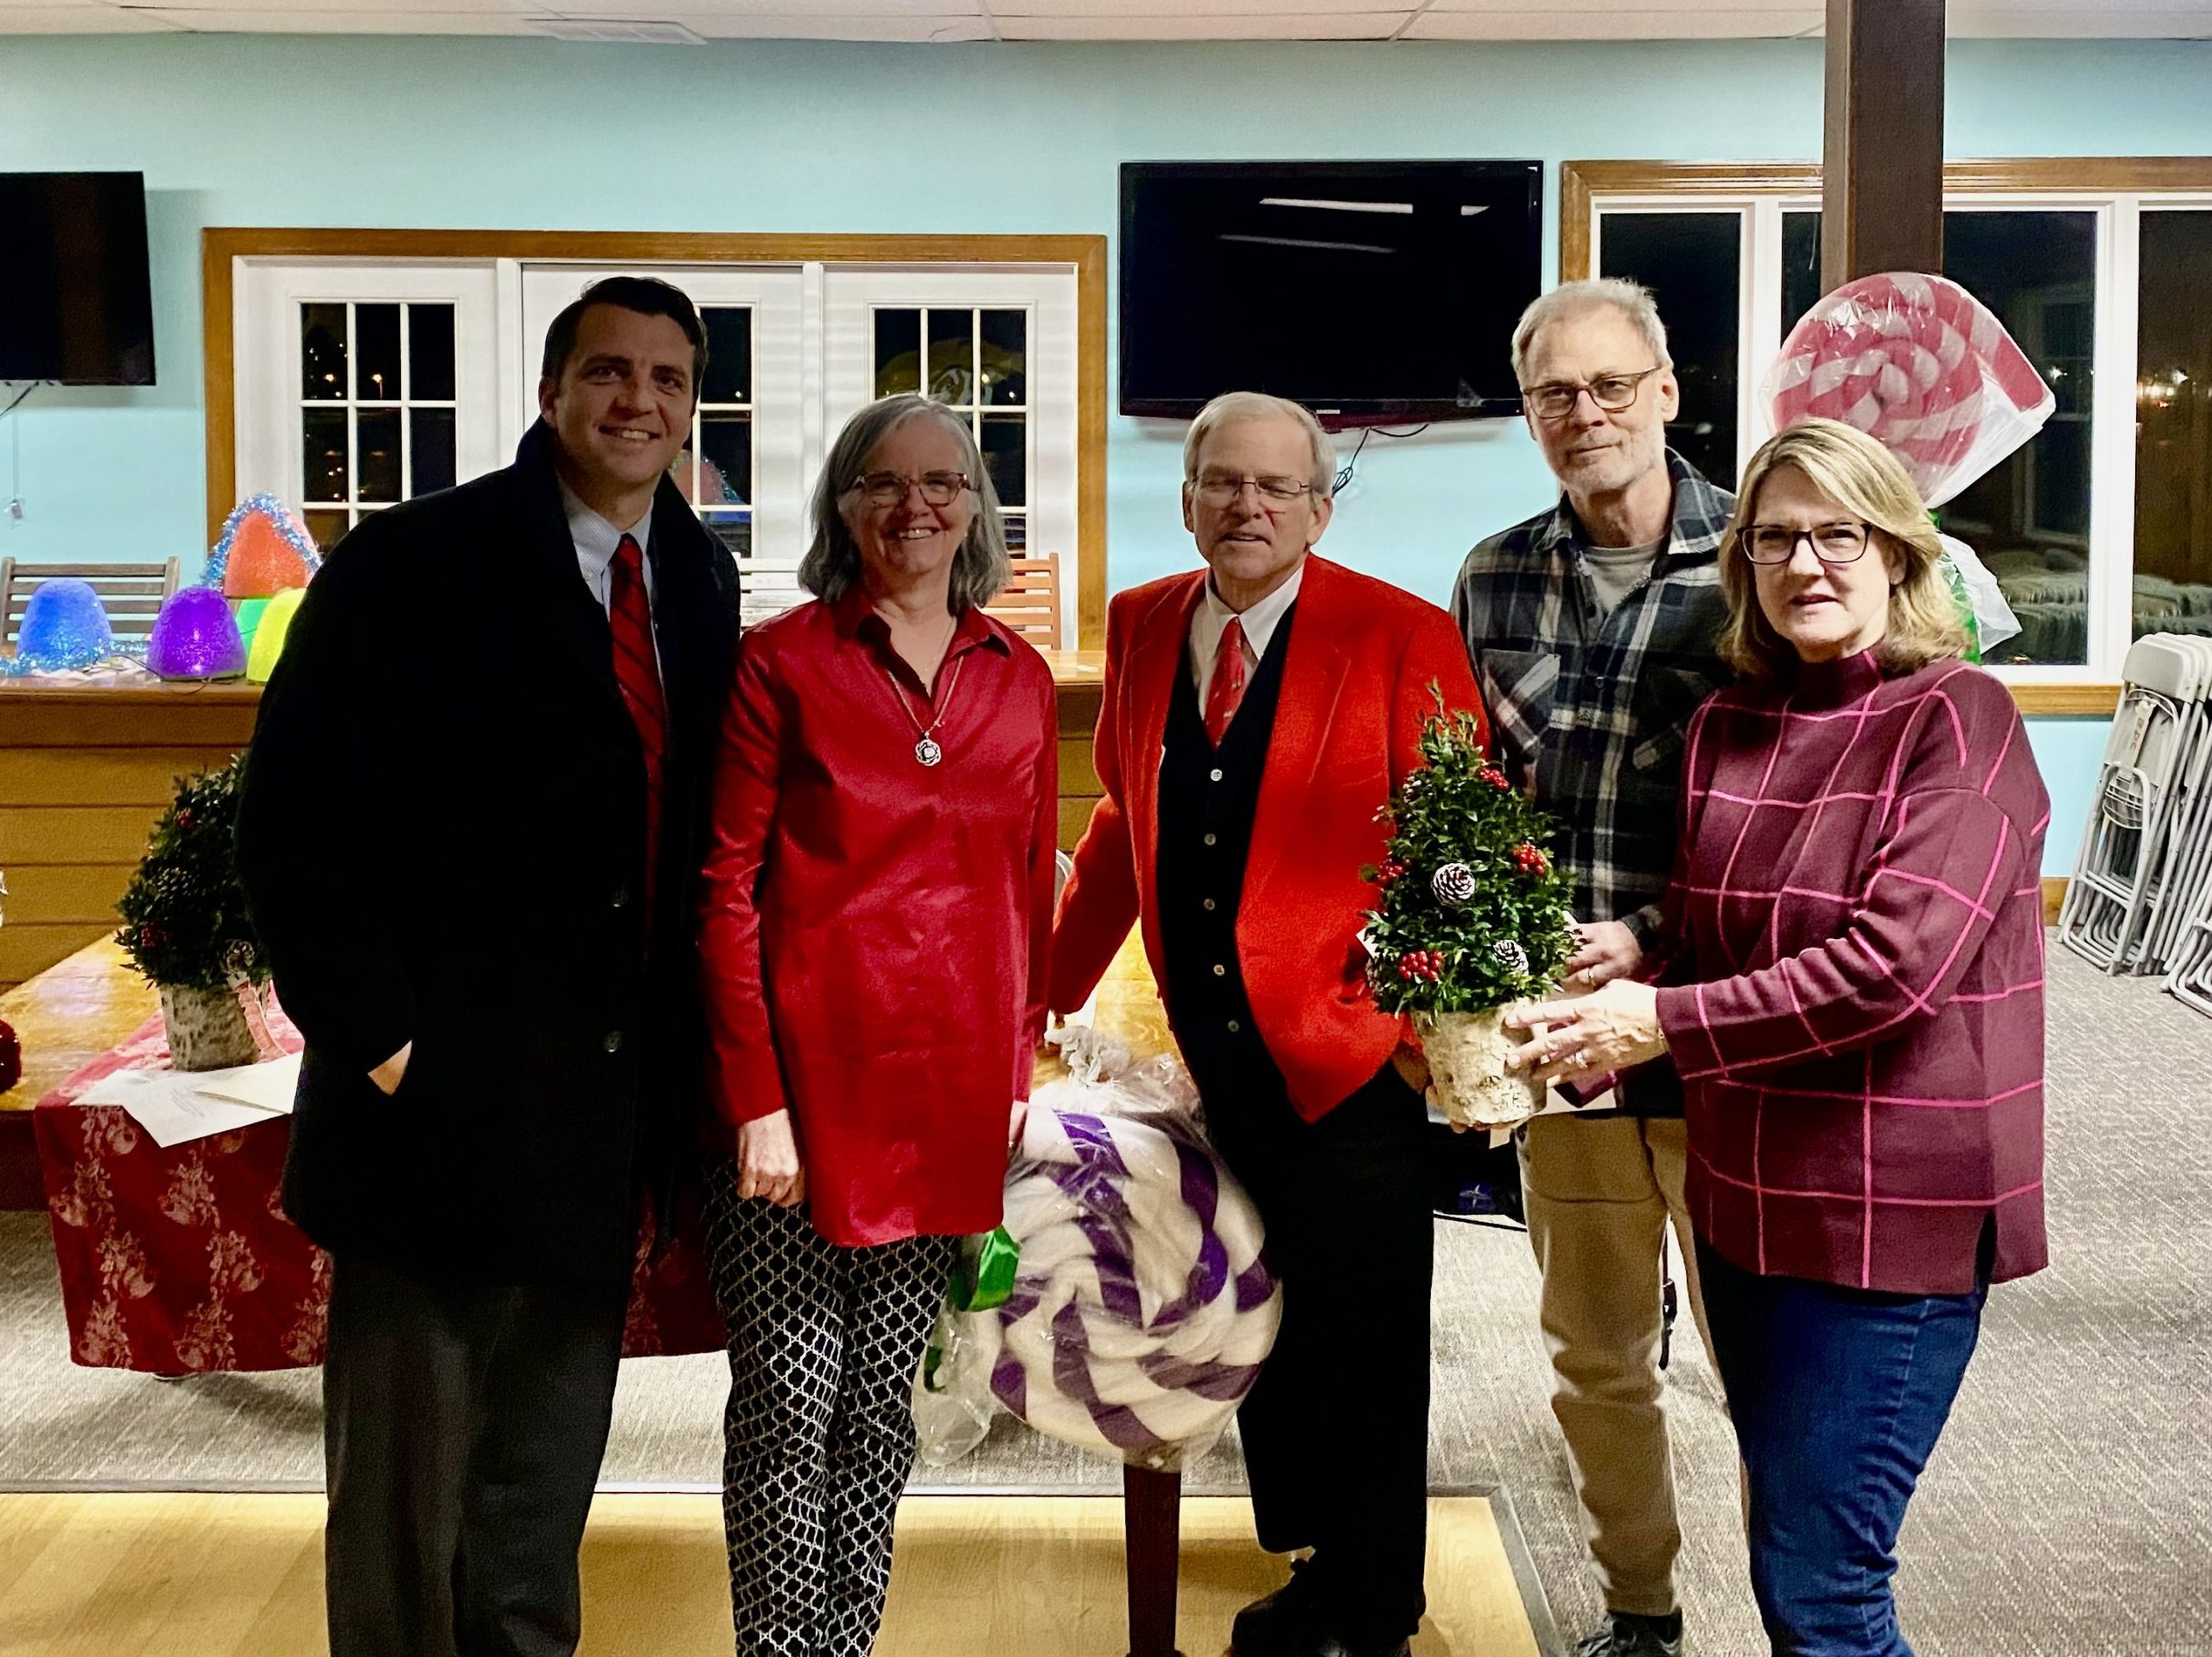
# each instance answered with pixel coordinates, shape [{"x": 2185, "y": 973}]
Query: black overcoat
[{"x": 443, "y": 837}]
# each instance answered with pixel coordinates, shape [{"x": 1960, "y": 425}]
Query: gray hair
[
  {"x": 831, "y": 568},
  {"x": 1232, "y": 406},
  {"x": 1631, "y": 299}
]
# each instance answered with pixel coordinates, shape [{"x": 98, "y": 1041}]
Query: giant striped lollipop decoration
[
  {"x": 1141, "y": 1309},
  {"x": 1919, "y": 363}
]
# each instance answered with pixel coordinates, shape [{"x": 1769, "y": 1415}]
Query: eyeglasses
[
  {"x": 1612, "y": 393},
  {"x": 1218, "y": 488},
  {"x": 1832, "y": 544},
  {"x": 889, "y": 488}
]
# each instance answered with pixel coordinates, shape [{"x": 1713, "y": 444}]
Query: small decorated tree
[
  {"x": 1472, "y": 917},
  {"x": 185, "y": 927}
]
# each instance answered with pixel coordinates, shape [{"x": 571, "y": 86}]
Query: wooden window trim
[
  {"x": 219, "y": 247},
  {"x": 1580, "y": 182}
]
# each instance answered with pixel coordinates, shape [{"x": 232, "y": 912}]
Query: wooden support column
[
  {"x": 1151, "y": 1524},
  {"x": 1882, "y": 183}
]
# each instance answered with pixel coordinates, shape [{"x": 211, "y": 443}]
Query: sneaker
[{"x": 1626, "y": 1634}]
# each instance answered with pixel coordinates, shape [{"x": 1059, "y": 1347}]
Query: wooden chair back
[
  {"x": 1030, "y": 604},
  {"x": 133, "y": 593}
]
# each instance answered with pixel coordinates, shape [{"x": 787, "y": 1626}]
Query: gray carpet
[{"x": 2069, "y": 1510}]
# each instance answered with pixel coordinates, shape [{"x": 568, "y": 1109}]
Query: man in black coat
[{"x": 475, "y": 810}]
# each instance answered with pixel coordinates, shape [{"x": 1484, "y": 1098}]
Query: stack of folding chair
[{"x": 2142, "y": 875}]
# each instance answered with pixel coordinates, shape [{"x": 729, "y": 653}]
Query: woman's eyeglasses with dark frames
[{"x": 1832, "y": 544}]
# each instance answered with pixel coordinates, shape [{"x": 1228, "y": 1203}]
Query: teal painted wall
[{"x": 812, "y": 137}]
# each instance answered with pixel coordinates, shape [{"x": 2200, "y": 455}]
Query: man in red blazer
[{"x": 1257, "y": 716}]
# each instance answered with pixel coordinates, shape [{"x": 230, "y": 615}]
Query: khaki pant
[{"x": 1600, "y": 1195}]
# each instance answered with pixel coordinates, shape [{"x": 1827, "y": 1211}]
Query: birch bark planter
[
  {"x": 1466, "y": 1066},
  {"x": 206, "y": 1029}
]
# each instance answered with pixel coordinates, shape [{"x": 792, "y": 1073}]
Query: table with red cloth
[{"x": 180, "y": 1260}]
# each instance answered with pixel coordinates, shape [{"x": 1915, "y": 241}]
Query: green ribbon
[
  {"x": 982, "y": 1278},
  {"x": 982, "y": 1281}
]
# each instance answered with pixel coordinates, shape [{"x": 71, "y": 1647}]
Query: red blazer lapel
[
  {"x": 1313, "y": 678},
  {"x": 1159, "y": 650}
]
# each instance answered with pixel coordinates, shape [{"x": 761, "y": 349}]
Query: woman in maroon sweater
[{"x": 1852, "y": 989}]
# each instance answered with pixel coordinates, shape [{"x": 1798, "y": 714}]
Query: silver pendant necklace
[{"x": 927, "y": 751}]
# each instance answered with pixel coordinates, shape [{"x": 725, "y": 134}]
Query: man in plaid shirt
[{"x": 1593, "y": 628}]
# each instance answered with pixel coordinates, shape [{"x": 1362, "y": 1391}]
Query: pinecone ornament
[
  {"x": 1509, "y": 951},
  {"x": 1453, "y": 885}
]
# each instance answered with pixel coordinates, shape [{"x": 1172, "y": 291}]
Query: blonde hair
[
  {"x": 1865, "y": 480},
  {"x": 1232, "y": 406}
]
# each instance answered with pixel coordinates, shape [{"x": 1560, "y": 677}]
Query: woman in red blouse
[
  {"x": 878, "y": 907},
  {"x": 1852, "y": 957}
]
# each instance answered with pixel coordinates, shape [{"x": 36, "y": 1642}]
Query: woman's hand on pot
[
  {"x": 1604, "y": 950},
  {"x": 1590, "y": 1035},
  {"x": 768, "y": 1163}
]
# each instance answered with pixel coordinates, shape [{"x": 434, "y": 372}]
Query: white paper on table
[
  {"x": 170, "y": 1106},
  {"x": 269, "y": 1085}
]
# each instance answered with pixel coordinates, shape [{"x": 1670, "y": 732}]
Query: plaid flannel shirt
[{"x": 1588, "y": 713}]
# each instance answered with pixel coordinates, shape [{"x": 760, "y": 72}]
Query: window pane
[
  {"x": 729, "y": 354},
  {"x": 1801, "y": 267},
  {"x": 430, "y": 438},
  {"x": 2028, "y": 517},
  {"x": 2173, "y": 413},
  {"x": 1017, "y": 532},
  {"x": 1006, "y": 441},
  {"x": 734, "y": 530},
  {"x": 322, "y": 352},
  {"x": 1691, "y": 263},
  {"x": 429, "y": 354},
  {"x": 326, "y": 527},
  {"x": 1005, "y": 357},
  {"x": 322, "y": 454},
  {"x": 898, "y": 353},
  {"x": 376, "y": 454},
  {"x": 952, "y": 357},
  {"x": 725, "y": 459},
  {"x": 376, "y": 353}
]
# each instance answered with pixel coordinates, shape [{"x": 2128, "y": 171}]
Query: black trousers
[
  {"x": 463, "y": 1426},
  {"x": 1335, "y": 1430}
]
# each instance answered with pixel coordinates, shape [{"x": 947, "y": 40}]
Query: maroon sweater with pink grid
[{"x": 1852, "y": 957}]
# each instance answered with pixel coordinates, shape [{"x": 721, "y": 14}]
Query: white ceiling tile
[
  {"x": 921, "y": 29},
  {"x": 1339, "y": 26},
  {"x": 1613, "y": 23},
  {"x": 1138, "y": 11},
  {"x": 690, "y": 12},
  {"x": 20, "y": 19},
  {"x": 233, "y": 20}
]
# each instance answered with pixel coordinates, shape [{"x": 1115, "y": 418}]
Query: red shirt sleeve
[
  {"x": 1044, "y": 870},
  {"x": 748, "y": 1082}
]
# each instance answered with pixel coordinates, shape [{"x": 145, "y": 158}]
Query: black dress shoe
[{"x": 1280, "y": 1624}]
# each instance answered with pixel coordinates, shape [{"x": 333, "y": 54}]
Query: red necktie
[
  {"x": 636, "y": 671},
  {"x": 1226, "y": 689}
]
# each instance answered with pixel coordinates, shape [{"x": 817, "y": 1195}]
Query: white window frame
[
  {"x": 497, "y": 362},
  {"x": 2115, "y": 340}
]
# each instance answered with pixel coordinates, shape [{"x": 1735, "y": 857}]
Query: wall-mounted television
[
  {"x": 75, "y": 303},
  {"x": 1370, "y": 291}
]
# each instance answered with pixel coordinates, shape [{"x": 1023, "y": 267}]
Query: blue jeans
[{"x": 1838, "y": 1397}]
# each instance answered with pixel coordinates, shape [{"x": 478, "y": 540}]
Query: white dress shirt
[
  {"x": 597, "y": 542},
  {"x": 1211, "y": 619}
]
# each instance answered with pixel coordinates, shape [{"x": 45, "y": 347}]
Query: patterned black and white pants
[{"x": 823, "y": 1343}]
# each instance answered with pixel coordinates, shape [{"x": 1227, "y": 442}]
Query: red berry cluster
[
  {"x": 152, "y": 937},
  {"x": 1494, "y": 777},
  {"x": 1425, "y": 964},
  {"x": 1389, "y": 870},
  {"x": 1530, "y": 862},
  {"x": 184, "y": 816}
]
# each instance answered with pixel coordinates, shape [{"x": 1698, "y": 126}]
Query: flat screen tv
[
  {"x": 75, "y": 304},
  {"x": 1370, "y": 291}
]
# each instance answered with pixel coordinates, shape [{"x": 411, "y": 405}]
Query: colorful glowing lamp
[
  {"x": 271, "y": 632},
  {"x": 195, "y": 637},
  {"x": 264, "y": 550},
  {"x": 64, "y": 624}
]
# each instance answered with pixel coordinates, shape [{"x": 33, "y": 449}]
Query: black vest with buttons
[{"x": 1207, "y": 802}]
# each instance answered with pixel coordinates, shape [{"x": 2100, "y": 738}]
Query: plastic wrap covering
[{"x": 1139, "y": 1309}]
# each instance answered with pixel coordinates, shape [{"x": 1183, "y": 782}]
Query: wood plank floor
[{"x": 241, "y": 1576}]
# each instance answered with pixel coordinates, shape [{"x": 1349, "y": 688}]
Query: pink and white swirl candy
[{"x": 1919, "y": 363}]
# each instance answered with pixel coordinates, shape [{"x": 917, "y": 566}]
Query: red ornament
[{"x": 11, "y": 1056}]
